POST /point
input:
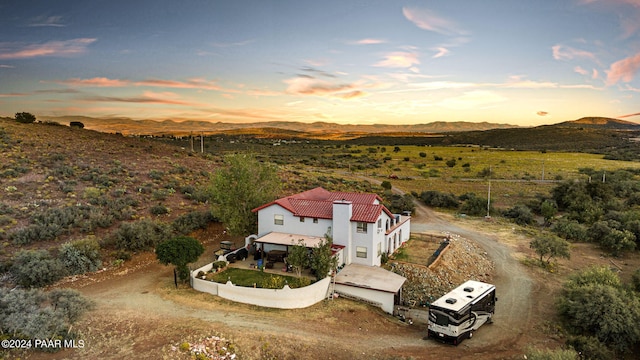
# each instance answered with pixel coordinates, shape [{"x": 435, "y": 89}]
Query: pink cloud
[
  {"x": 51, "y": 48},
  {"x": 561, "y": 52},
  {"x": 147, "y": 97},
  {"x": 189, "y": 84},
  {"x": 369, "y": 42},
  {"x": 580, "y": 70},
  {"x": 623, "y": 70},
  {"x": 311, "y": 86},
  {"x": 96, "y": 82},
  {"x": 429, "y": 20},
  {"x": 441, "y": 52},
  {"x": 399, "y": 59},
  {"x": 195, "y": 83},
  {"x": 351, "y": 94},
  {"x": 629, "y": 115},
  {"x": 304, "y": 85}
]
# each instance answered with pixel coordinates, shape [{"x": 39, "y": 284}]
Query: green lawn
[{"x": 250, "y": 278}]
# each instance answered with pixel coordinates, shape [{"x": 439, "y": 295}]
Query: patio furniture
[{"x": 276, "y": 255}]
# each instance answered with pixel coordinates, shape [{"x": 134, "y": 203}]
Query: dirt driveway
[{"x": 140, "y": 314}]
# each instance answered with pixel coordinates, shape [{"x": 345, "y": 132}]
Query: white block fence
[{"x": 285, "y": 298}]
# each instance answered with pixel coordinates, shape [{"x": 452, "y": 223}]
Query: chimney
[{"x": 341, "y": 228}]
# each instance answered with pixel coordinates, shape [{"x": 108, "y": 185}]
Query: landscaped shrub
[
  {"x": 80, "y": 256},
  {"x": 273, "y": 282},
  {"x": 218, "y": 265},
  {"x": 36, "y": 268}
]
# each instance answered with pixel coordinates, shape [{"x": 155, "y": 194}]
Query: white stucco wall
[
  {"x": 285, "y": 298},
  {"x": 379, "y": 298},
  {"x": 292, "y": 224}
]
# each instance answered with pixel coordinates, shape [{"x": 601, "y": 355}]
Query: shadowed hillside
[{"x": 616, "y": 143}]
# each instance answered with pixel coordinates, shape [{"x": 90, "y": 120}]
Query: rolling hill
[{"x": 601, "y": 123}]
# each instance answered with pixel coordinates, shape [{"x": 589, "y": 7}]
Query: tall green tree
[
  {"x": 244, "y": 184},
  {"x": 298, "y": 257},
  {"x": 610, "y": 314},
  {"x": 548, "y": 210},
  {"x": 179, "y": 251},
  {"x": 322, "y": 259},
  {"x": 550, "y": 247}
]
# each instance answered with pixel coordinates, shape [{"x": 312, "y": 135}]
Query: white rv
[{"x": 456, "y": 315}]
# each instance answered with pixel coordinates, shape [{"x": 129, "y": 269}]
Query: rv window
[{"x": 442, "y": 319}]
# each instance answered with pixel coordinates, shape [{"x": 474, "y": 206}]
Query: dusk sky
[{"x": 351, "y": 62}]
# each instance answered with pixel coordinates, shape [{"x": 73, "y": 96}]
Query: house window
[
  {"x": 361, "y": 252},
  {"x": 362, "y": 227},
  {"x": 301, "y": 218},
  {"x": 379, "y": 223},
  {"x": 379, "y": 249},
  {"x": 315, "y": 220},
  {"x": 278, "y": 219}
]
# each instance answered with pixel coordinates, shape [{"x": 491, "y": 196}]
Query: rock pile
[{"x": 462, "y": 261}]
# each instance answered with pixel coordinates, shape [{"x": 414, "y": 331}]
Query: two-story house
[{"x": 359, "y": 224}]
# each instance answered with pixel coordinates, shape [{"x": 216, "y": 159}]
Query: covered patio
[{"x": 273, "y": 248}]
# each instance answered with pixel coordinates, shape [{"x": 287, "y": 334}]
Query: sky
[{"x": 519, "y": 62}]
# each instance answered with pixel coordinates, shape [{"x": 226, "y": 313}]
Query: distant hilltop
[
  {"x": 601, "y": 122},
  {"x": 179, "y": 127}
]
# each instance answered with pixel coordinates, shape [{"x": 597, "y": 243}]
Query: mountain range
[{"x": 128, "y": 126}]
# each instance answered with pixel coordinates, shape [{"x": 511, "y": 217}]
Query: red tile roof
[{"x": 318, "y": 203}]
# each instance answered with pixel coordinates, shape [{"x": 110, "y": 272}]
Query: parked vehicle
[{"x": 456, "y": 315}]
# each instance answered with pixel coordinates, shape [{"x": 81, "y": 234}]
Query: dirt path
[{"x": 515, "y": 288}]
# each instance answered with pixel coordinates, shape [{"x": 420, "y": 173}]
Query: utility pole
[
  {"x": 542, "y": 170},
  {"x": 202, "y": 142},
  {"x": 489, "y": 200}
]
